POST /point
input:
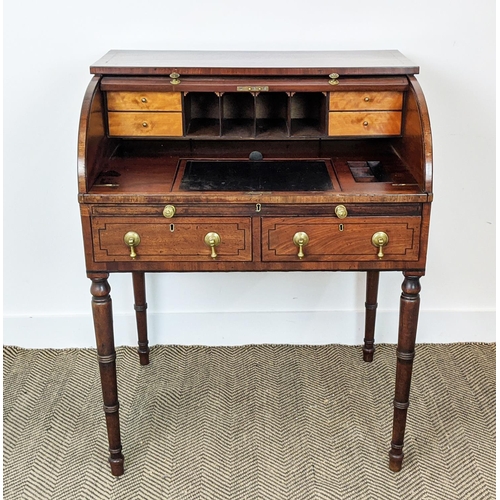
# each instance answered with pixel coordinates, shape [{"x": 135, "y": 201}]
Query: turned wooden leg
[
  {"x": 106, "y": 356},
  {"x": 370, "y": 314},
  {"x": 408, "y": 319},
  {"x": 140, "y": 307}
]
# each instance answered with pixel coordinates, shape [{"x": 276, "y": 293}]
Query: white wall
[{"x": 48, "y": 47}]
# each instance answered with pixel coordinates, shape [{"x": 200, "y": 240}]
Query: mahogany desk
[{"x": 292, "y": 161}]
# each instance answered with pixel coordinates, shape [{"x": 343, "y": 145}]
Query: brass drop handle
[
  {"x": 300, "y": 240},
  {"x": 132, "y": 240},
  {"x": 380, "y": 240},
  {"x": 212, "y": 240}
]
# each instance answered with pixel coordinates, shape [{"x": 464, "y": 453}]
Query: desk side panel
[
  {"x": 93, "y": 145},
  {"x": 415, "y": 145}
]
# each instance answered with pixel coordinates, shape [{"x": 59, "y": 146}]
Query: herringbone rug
[{"x": 254, "y": 422}]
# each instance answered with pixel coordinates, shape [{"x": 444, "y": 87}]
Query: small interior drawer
[
  {"x": 353, "y": 123},
  {"x": 144, "y": 101},
  {"x": 144, "y": 124},
  {"x": 369, "y": 100}
]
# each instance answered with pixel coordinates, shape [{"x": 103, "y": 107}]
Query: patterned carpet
[{"x": 255, "y": 422}]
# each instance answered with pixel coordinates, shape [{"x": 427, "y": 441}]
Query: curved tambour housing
[{"x": 361, "y": 118}]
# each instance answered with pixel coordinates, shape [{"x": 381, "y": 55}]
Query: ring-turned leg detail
[
  {"x": 408, "y": 319},
  {"x": 372, "y": 278},
  {"x": 140, "y": 307},
  {"x": 106, "y": 356}
]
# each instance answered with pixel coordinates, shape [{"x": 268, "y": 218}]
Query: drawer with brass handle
[
  {"x": 352, "y": 123},
  {"x": 144, "y": 101},
  {"x": 144, "y": 124},
  {"x": 330, "y": 239},
  {"x": 369, "y": 100},
  {"x": 181, "y": 239}
]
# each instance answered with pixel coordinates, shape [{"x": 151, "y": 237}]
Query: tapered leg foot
[
  {"x": 116, "y": 464},
  {"x": 140, "y": 307},
  {"x": 395, "y": 461},
  {"x": 106, "y": 356},
  {"x": 408, "y": 319},
  {"x": 372, "y": 278}
]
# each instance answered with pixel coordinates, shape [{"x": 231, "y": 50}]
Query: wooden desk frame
[{"x": 129, "y": 161}]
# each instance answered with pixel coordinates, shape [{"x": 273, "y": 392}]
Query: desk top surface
[{"x": 233, "y": 63}]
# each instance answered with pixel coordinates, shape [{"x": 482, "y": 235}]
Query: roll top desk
[{"x": 247, "y": 161}]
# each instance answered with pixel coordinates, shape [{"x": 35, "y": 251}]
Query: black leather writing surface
[{"x": 245, "y": 175}]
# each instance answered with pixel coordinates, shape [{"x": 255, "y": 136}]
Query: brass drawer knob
[
  {"x": 212, "y": 240},
  {"x": 175, "y": 78},
  {"x": 300, "y": 240},
  {"x": 169, "y": 211},
  {"x": 132, "y": 240},
  {"x": 144, "y": 124},
  {"x": 365, "y": 124},
  {"x": 334, "y": 79},
  {"x": 380, "y": 240},
  {"x": 341, "y": 211},
  {"x": 367, "y": 99},
  {"x": 144, "y": 100}
]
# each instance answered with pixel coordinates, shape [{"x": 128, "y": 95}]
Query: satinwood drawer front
[
  {"x": 344, "y": 123},
  {"x": 331, "y": 239},
  {"x": 144, "y": 101},
  {"x": 180, "y": 239},
  {"x": 353, "y": 101},
  {"x": 144, "y": 114},
  {"x": 365, "y": 113},
  {"x": 146, "y": 124}
]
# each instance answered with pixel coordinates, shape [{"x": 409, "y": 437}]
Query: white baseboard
[{"x": 315, "y": 327}]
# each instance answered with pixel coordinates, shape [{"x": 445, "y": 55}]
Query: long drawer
[
  {"x": 180, "y": 239},
  {"x": 331, "y": 239}
]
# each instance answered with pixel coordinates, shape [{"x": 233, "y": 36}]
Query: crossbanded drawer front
[
  {"x": 145, "y": 124},
  {"x": 144, "y": 101},
  {"x": 179, "y": 239},
  {"x": 360, "y": 123},
  {"x": 354, "y": 101},
  {"x": 331, "y": 239}
]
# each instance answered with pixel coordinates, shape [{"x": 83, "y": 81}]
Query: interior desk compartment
[{"x": 251, "y": 176}]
